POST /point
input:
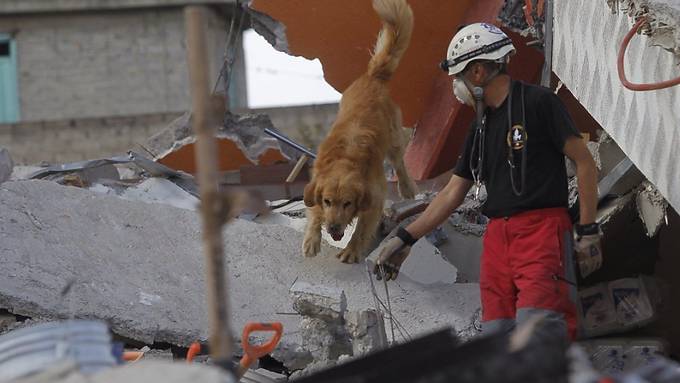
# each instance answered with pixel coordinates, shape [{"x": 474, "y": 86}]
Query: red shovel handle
[{"x": 253, "y": 352}]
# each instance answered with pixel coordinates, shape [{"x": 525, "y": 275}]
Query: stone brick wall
[
  {"x": 110, "y": 63},
  {"x": 89, "y": 138},
  {"x": 79, "y": 139}
]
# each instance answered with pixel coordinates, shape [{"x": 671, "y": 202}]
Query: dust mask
[{"x": 462, "y": 92}]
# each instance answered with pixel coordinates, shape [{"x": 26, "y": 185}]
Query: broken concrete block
[
  {"x": 6, "y": 321},
  {"x": 325, "y": 341},
  {"x": 293, "y": 356},
  {"x": 609, "y": 156},
  {"x": 6, "y": 165},
  {"x": 366, "y": 327},
  {"x": 323, "y": 302},
  {"x": 262, "y": 375},
  {"x": 626, "y": 248},
  {"x": 651, "y": 206},
  {"x": 240, "y": 137},
  {"x": 156, "y": 354}
]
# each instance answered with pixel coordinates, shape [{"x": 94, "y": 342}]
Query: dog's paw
[
  {"x": 348, "y": 255},
  {"x": 311, "y": 246},
  {"x": 407, "y": 188}
]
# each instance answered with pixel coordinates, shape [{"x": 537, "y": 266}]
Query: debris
[
  {"x": 323, "y": 320},
  {"x": 319, "y": 301},
  {"x": 241, "y": 141},
  {"x": 366, "y": 331},
  {"x": 273, "y": 31},
  {"x": 36, "y": 348},
  {"x": 6, "y": 321},
  {"x": 263, "y": 376},
  {"x": 116, "y": 249},
  {"x": 664, "y": 28},
  {"x": 651, "y": 207},
  {"x": 618, "y": 306},
  {"x": 293, "y": 356},
  {"x": 661, "y": 370},
  {"x": 441, "y": 357},
  {"x": 325, "y": 340},
  {"x": 6, "y": 165},
  {"x": 613, "y": 356}
]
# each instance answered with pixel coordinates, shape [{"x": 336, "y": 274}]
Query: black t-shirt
[{"x": 548, "y": 125}]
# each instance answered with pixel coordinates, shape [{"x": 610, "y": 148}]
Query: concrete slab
[{"x": 139, "y": 267}]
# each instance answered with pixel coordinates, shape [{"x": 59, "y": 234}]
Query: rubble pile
[{"x": 71, "y": 252}]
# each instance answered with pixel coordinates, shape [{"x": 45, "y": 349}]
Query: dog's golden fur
[{"x": 348, "y": 178}]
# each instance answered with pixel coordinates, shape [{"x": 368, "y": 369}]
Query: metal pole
[
  {"x": 548, "y": 44},
  {"x": 211, "y": 199},
  {"x": 290, "y": 142}
]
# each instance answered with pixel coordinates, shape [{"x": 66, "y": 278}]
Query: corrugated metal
[{"x": 646, "y": 125}]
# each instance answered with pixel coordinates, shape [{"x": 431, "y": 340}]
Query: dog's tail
[{"x": 393, "y": 39}]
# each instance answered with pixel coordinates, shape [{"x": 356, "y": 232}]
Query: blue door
[{"x": 9, "y": 95}]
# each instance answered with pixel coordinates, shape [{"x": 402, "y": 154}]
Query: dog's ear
[{"x": 311, "y": 196}]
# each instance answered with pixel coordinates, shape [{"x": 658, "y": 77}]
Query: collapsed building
[{"x": 118, "y": 239}]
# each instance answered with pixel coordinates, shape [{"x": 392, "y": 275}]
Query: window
[{"x": 9, "y": 93}]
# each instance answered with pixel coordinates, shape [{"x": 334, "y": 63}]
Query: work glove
[
  {"x": 391, "y": 258},
  {"x": 588, "y": 248}
]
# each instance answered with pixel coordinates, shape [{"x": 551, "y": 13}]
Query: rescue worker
[{"x": 516, "y": 150}]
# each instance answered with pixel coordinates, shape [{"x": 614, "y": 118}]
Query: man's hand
[
  {"x": 390, "y": 259},
  {"x": 588, "y": 251}
]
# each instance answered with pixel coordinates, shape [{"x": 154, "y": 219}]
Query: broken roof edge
[
  {"x": 664, "y": 17},
  {"x": 13, "y": 7}
]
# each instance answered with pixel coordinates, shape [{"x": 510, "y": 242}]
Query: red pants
[{"x": 526, "y": 263}]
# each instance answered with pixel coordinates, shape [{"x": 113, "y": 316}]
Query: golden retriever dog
[{"x": 348, "y": 178}]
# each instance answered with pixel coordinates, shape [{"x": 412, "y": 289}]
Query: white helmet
[{"x": 479, "y": 41}]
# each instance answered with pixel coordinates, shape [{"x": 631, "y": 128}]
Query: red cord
[{"x": 622, "y": 71}]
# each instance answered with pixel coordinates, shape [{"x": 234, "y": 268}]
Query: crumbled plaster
[
  {"x": 651, "y": 208},
  {"x": 246, "y": 131},
  {"x": 664, "y": 15},
  {"x": 272, "y": 30}
]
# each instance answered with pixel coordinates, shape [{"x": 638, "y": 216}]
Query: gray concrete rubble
[
  {"x": 139, "y": 267},
  {"x": 322, "y": 302},
  {"x": 366, "y": 328},
  {"x": 7, "y": 321},
  {"x": 328, "y": 330},
  {"x": 262, "y": 375},
  {"x": 142, "y": 371},
  {"x": 246, "y": 131},
  {"x": 6, "y": 165},
  {"x": 652, "y": 208},
  {"x": 610, "y": 155},
  {"x": 664, "y": 29},
  {"x": 272, "y": 30}
]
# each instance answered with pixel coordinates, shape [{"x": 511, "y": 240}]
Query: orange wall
[{"x": 342, "y": 34}]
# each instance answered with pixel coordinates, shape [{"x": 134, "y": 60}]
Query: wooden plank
[{"x": 213, "y": 204}]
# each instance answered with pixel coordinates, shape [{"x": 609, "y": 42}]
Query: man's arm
[
  {"x": 441, "y": 207},
  {"x": 586, "y": 171}
]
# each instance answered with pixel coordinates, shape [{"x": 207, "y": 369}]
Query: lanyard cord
[
  {"x": 511, "y": 155},
  {"x": 478, "y": 145}
]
